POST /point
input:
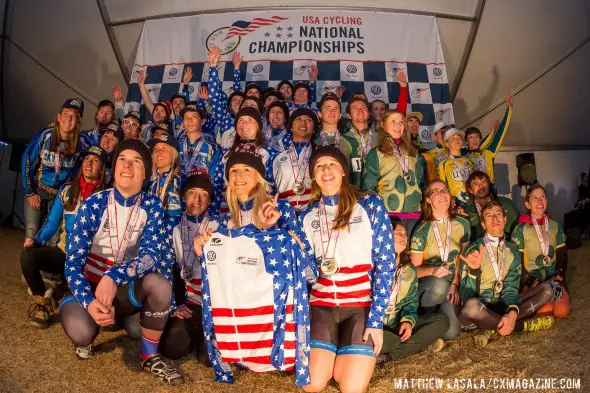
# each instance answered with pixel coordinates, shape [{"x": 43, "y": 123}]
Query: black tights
[
  {"x": 153, "y": 291},
  {"x": 487, "y": 316},
  {"x": 33, "y": 260},
  {"x": 183, "y": 336}
]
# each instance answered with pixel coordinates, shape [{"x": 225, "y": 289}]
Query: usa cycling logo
[
  {"x": 301, "y": 69},
  {"x": 376, "y": 90},
  {"x": 258, "y": 68},
  {"x": 351, "y": 69},
  {"x": 173, "y": 71},
  {"x": 418, "y": 92},
  {"x": 440, "y": 114}
]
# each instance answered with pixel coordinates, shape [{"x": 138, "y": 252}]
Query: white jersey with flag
[
  {"x": 363, "y": 254},
  {"x": 255, "y": 307}
]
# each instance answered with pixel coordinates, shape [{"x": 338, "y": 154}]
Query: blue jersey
[
  {"x": 223, "y": 116},
  {"x": 261, "y": 322},
  {"x": 38, "y": 165},
  {"x": 190, "y": 158},
  {"x": 90, "y": 253},
  {"x": 169, "y": 195},
  {"x": 59, "y": 219}
]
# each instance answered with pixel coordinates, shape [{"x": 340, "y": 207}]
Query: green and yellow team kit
[{"x": 441, "y": 241}]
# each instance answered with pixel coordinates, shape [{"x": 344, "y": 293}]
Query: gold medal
[
  {"x": 328, "y": 266},
  {"x": 407, "y": 177},
  {"x": 546, "y": 260},
  {"x": 299, "y": 188}
]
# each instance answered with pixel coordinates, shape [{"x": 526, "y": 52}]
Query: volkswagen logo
[
  {"x": 173, "y": 71},
  {"x": 351, "y": 69},
  {"x": 191, "y": 89},
  {"x": 258, "y": 68},
  {"x": 211, "y": 255},
  {"x": 437, "y": 71},
  {"x": 376, "y": 90},
  {"x": 426, "y": 135}
]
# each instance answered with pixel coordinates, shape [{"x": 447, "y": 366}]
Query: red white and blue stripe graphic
[{"x": 242, "y": 28}]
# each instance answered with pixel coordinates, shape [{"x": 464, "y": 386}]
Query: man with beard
[{"x": 478, "y": 187}]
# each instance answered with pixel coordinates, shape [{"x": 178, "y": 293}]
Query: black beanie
[
  {"x": 330, "y": 151},
  {"x": 197, "y": 178},
  {"x": 253, "y": 113},
  {"x": 303, "y": 111},
  {"x": 140, "y": 147},
  {"x": 245, "y": 154},
  {"x": 281, "y": 105}
]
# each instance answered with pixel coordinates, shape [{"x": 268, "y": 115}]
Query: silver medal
[
  {"x": 187, "y": 273},
  {"x": 299, "y": 188}
]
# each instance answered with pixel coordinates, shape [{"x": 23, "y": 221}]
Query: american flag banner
[
  {"x": 242, "y": 28},
  {"x": 361, "y": 51}
]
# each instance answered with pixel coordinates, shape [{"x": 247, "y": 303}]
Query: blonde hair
[
  {"x": 386, "y": 144},
  {"x": 71, "y": 146},
  {"x": 175, "y": 169},
  {"x": 262, "y": 194}
]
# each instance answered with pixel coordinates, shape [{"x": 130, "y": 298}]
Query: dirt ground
[{"x": 43, "y": 361}]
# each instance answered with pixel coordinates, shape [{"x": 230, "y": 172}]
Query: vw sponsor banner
[{"x": 362, "y": 51}]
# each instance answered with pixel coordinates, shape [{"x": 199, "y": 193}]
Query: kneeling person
[
  {"x": 114, "y": 265},
  {"x": 491, "y": 280},
  {"x": 184, "y": 332}
]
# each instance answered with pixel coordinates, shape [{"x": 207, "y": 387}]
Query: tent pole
[
  {"x": 4, "y": 38},
  {"x": 468, "y": 48},
  {"x": 286, "y": 8},
  {"x": 529, "y": 82}
]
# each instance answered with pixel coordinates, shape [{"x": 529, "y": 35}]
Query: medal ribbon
[
  {"x": 325, "y": 139},
  {"x": 187, "y": 242},
  {"x": 161, "y": 192},
  {"x": 119, "y": 247},
  {"x": 404, "y": 162},
  {"x": 445, "y": 249},
  {"x": 543, "y": 241},
  {"x": 365, "y": 143},
  {"x": 329, "y": 232},
  {"x": 498, "y": 271},
  {"x": 188, "y": 164},
  {"x": 301, "y": 161}
]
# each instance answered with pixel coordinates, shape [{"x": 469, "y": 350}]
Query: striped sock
[{"x": 148, "y": 347}]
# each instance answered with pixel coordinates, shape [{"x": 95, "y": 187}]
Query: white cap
[
  {"x": 438, "y": 126},
  {"x": 453, "y": 131}
]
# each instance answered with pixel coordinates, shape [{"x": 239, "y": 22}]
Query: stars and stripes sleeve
[
  {"x": 290, "y": 222},
  {"x": 29, "y": 162},
  {"x": 217, "y": 177},
  {"x": 150, "y": 246},
  {"x": 313, "y": 88},
  {"x": 236, "y": 81},
  {"x": 383, "y": 259},
  {"x": 53, "y": 221},
  {"x": 218, "y": 102},
  {"x": 301, "y": 316},
  {"x": 79, "y": 243}
]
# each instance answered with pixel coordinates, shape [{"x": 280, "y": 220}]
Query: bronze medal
[
  {"x": 546, "y": 260},
  {"x": 499, "y": 287},
  {"x": 407, "y": 176}
]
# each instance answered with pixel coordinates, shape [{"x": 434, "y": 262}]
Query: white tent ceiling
[{"x": 69, "y": 48}]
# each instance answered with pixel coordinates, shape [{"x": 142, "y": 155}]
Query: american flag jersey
[
  {"x": 175, "y": 247},
  {"x": 221, "y": 108},
  {"x": 255, "y": 307},
  {"x": 217, "y": 172},
  {"x": 364, "y": 254},
  {"x": 286, "y": 167},
  {"x": 89, "y": 254}
]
